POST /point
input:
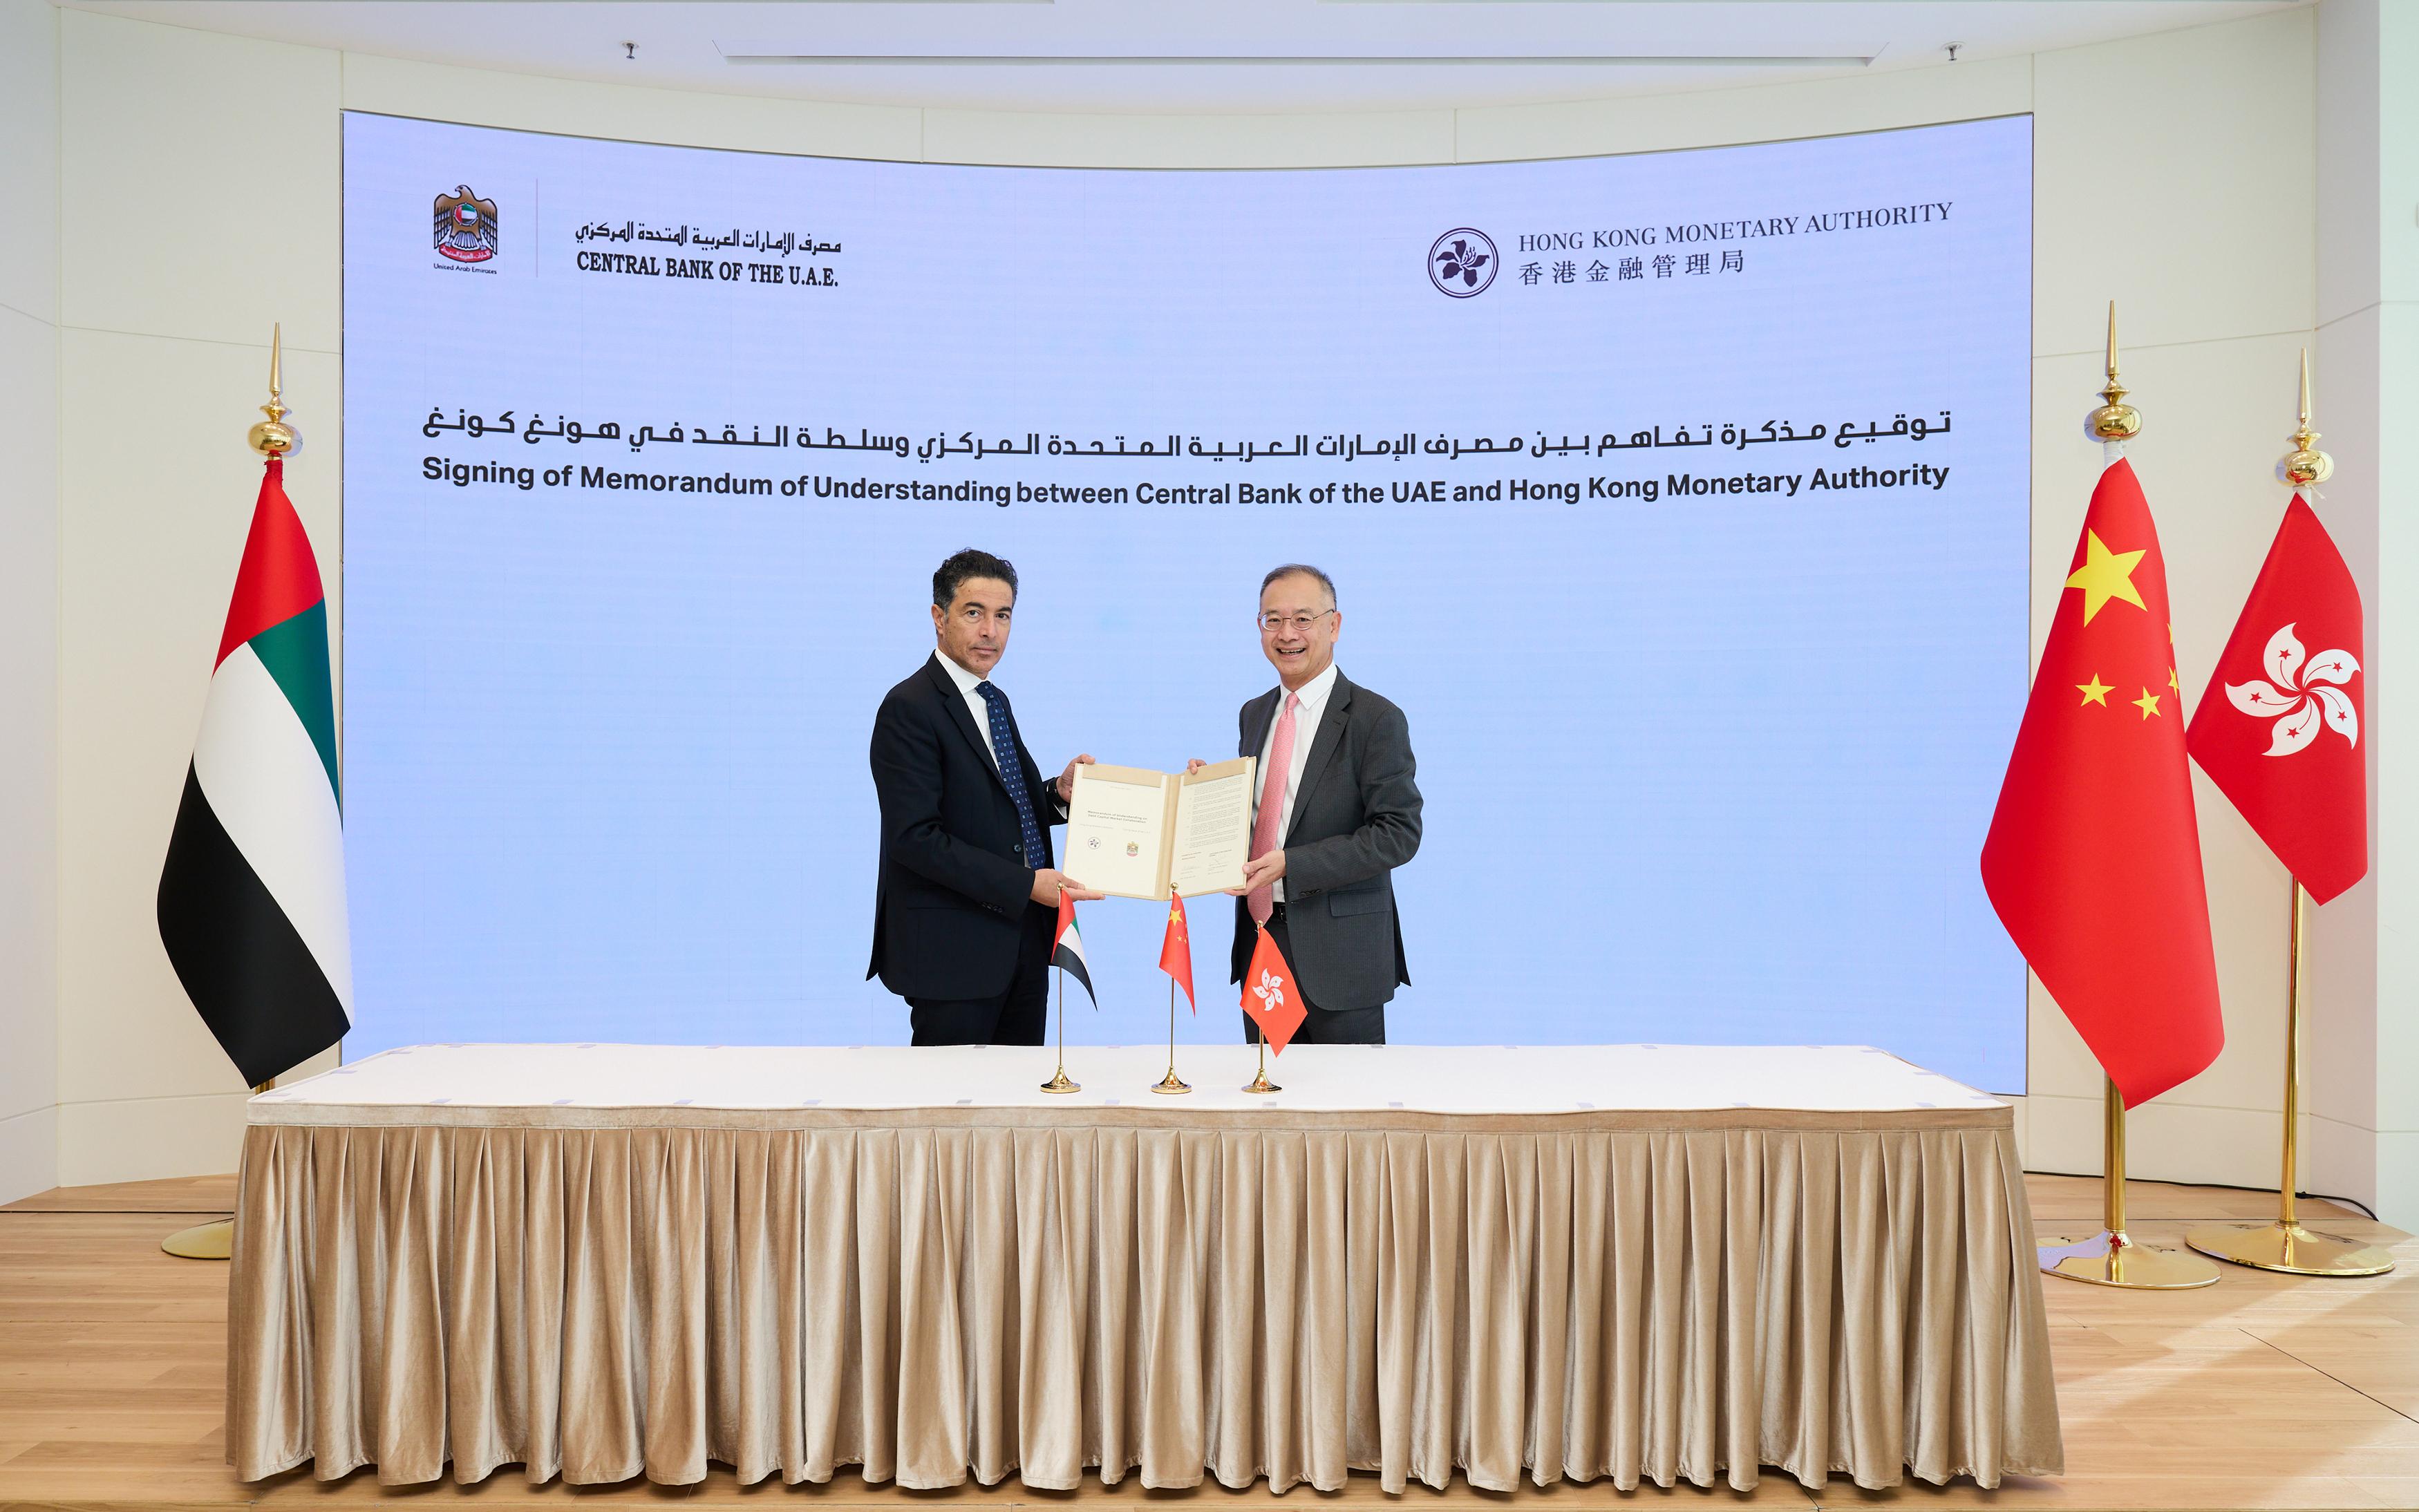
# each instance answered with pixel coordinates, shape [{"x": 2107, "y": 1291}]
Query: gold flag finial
[
  {"x": 273, "y": 437},
  {"x": 2115, "y": 420},
  {"x": 2305, "y": 464}
]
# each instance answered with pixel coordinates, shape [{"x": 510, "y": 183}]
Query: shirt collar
[
  {"x": 966, "y": 681},
  {"x": 1313, "y": 694}
]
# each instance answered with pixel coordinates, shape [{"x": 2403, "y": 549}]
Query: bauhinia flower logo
[
  {"x": 1270, "y": 989},
  {"x": 1462, "y": 262},
  {"x": 2311, "y": 695}
]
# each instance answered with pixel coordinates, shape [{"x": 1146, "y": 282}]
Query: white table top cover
[{"x": 574, "y": 1083}]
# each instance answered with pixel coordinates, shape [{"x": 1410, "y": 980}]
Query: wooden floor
[{"x": 2262, "y": 1391}]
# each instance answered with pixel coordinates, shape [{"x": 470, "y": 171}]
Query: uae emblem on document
[{"x": 466, "y": 226}]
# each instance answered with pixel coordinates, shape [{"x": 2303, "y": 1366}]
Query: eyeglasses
[{"x": 1272, "y": 624}]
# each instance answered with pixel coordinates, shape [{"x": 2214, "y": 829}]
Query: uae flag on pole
[
  {"x": 2093, "y": 858},
  {"x": 251, "y": 898},
  {"x": 1067, "y": 947},
  {"x": 2278, "y": 730}
]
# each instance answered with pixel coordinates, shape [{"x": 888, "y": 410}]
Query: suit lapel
[
  {"x": 1322, "y": 750},
  {"x": 961, "y": 717}
]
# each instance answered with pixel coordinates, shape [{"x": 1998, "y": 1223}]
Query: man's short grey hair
[{"x": 1304, "y": 569}]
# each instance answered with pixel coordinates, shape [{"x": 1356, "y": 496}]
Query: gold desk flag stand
[
  {"x": 215, "y": 1240},
  {"x": 2284, "y": 1244},
  {"x": 1062, "y": 1081},
  {"x": 1259, "y": 1082},
  {"x": 2112, "y": 1257},
  {"x": 1171, "y": 1084}
]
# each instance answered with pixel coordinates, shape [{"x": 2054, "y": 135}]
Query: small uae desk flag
[
  {"x": 252, "y": 897},
  {"x": 1067, "y": 947}
]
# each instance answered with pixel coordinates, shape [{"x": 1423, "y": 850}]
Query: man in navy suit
[{"x": 967, "y": 896}]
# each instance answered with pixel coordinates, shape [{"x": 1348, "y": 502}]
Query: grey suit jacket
[{"x": 1355, "y": 819}]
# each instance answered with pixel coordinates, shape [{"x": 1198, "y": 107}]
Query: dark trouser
[
  {"x": 1321, "y": 1025},
  {"x": 1017, "y": 1015}
]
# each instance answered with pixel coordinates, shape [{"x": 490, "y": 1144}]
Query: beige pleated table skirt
[{"x": 1652, "y": 1264}]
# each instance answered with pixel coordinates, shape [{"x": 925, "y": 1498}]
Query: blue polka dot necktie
[{"x": 1012, "y": 772}]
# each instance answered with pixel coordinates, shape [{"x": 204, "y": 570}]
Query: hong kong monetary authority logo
[
  {"x": 1462, "y": 263},
  {"x": 466, "y": 226}
]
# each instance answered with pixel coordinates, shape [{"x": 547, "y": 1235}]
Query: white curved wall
[{"x": 199, "y": 202}]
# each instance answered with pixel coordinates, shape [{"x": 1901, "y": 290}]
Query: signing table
[{"x": 1645, "y": 1262}]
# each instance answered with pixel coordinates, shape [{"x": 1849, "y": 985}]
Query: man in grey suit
[{"x": 1335, "y": 812}]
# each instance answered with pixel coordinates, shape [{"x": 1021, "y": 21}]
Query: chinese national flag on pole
[
  {"x": 2278, "y": 730},
  {"x": 1269, "y": 996},
  {"x": 1175, "y": 950},
  {"x": 2093, "y": 858}
]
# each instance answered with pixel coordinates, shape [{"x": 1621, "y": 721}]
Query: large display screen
[{"x": 1680, "y": 500}]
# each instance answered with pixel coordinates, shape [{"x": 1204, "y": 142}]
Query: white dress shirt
[
  {"x": 967, "y": 682},
  {"x": 1313, "y": 695}
]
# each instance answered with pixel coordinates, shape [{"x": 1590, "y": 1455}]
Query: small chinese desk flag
[{"x": 1175, "y": 950}]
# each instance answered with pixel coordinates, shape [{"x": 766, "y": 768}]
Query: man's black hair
[{"x": 969, "y": 564}]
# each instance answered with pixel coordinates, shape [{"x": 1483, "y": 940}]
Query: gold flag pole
[
  {"x": 2284, "y": 1244},
  {"x": 271, "y": 438},
  {"x": 1171, "y": 1083},
  {"x": 1259, "y": 1082},
  {"x": 2113, "y": 1258},
  {"x": 1062, "y": 1081}
]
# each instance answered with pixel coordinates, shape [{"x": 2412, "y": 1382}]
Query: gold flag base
[
  {"x": 1171, "y": 1083},
  {"x": 2289, "y": 1248},
  {"x": 2108, "y": 1259},
  {"x": 2282, "y": 1244},
  {"x": 1062, "y": 1083},
  {"x": 1259, "y": 1082},
  {"x": 2113, "y": 1257},
  {"x": 212, "y": 1240}
]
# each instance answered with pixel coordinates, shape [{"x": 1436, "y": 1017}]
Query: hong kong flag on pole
[
  {"x": 2093, "y": 858},
  {"x": 2278, "y": 730},
  {"x": 1269, "y": 996}
]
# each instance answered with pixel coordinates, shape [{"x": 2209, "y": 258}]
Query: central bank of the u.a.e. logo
[{"x": 465, "y": 226}]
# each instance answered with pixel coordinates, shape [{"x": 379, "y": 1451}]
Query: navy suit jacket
[{"x": 955, "y": 888}]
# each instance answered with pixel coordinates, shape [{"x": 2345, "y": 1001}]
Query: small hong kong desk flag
[
  {"x": 1175, "y": 950},
  {"x": 2093, "y": 858},
  {"x": 1270, "y": 995},
  {"x": 2278, "y": 730}
]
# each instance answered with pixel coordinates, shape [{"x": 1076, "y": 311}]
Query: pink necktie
[{"x": 1272, "y": 801}]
